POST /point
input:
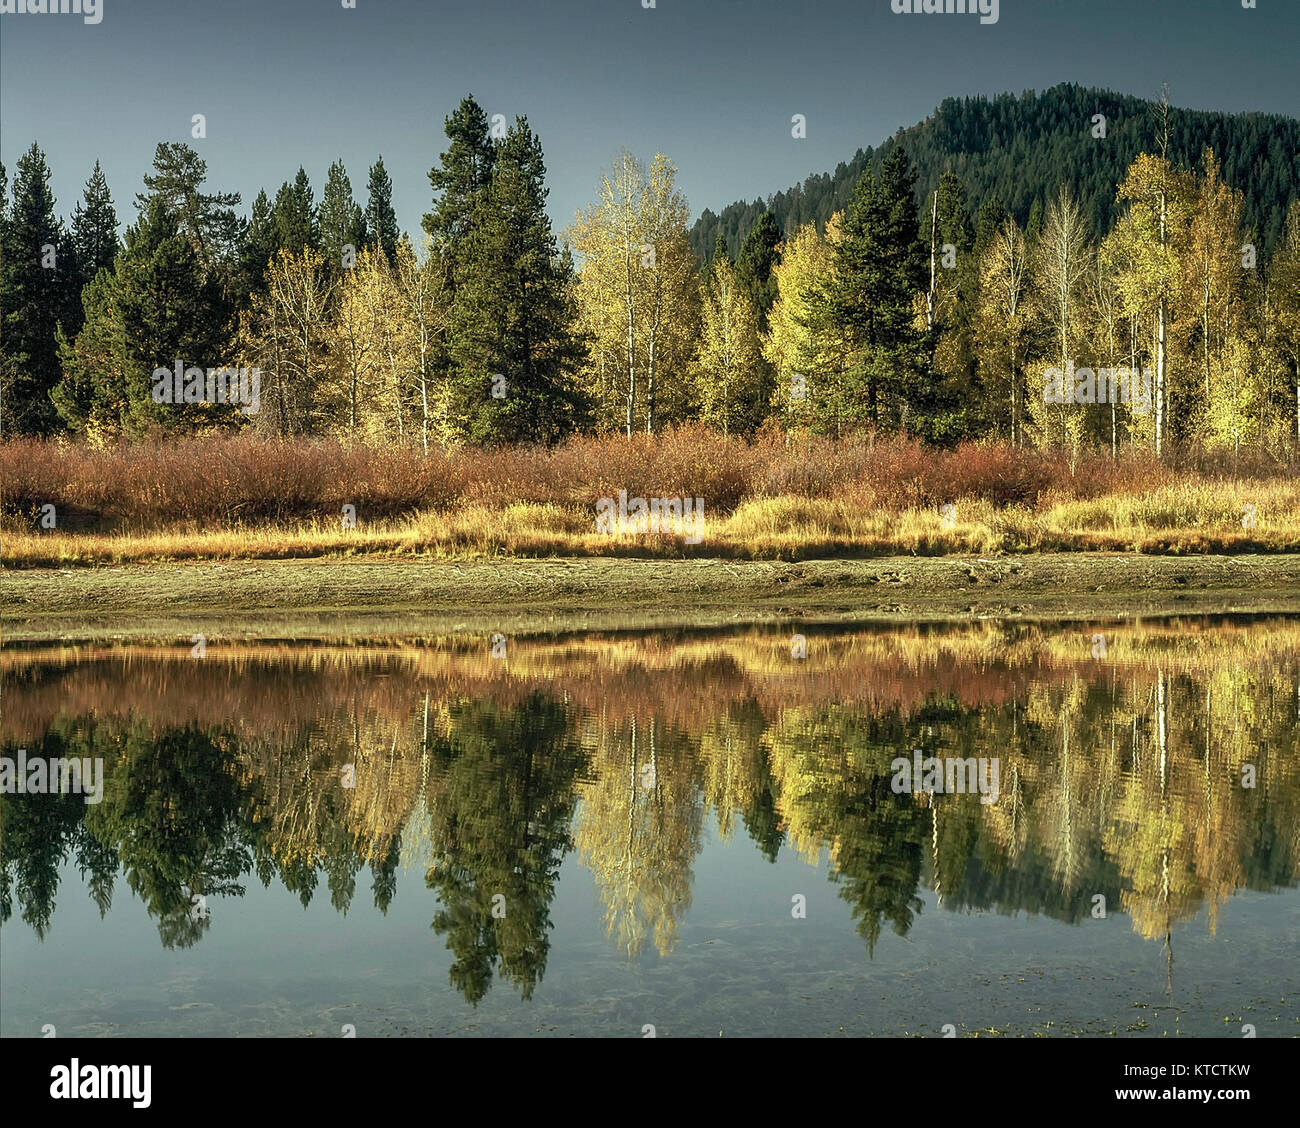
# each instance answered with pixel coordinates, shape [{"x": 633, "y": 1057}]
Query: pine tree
[
  {"x": 461, "y": 180},
  {"x": 514, "y": 312},
  {"x": 92, "y": 396},
  {"x": 157, "y": 306},
  {"x": 759, "y": 253},
  {"x": 380, "y": 223},
  {"x": 293, "y": 216},
  {"x": 257, "y": 247},
  {"x": 881, "y": 267},
  {"x": 342, "y": 222},
  {"x": 39, "y": 289},
  {"x": 94, "y": 228},
  {"x": 206, "y": 219}
]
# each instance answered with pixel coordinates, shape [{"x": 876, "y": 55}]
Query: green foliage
[
  {"x": 758, "y": 254},
  {"x": 294, "y": 224},
  {"x": 1018, "y": 148},
  {"x": 880, "y": 266},
  {"x": 342, "y": 222},
  {"x": 379, "y": 224},
  {"x": 509, "y": 264},
  {"x": 34, "y": 298},
  {"x": 94, "y": 228},
  {"x": 205, "y": 219}
]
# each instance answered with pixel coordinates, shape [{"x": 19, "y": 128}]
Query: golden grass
[{"x": 1188, "y": 517}]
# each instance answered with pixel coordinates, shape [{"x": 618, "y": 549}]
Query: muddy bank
[{"x": 332, "y": 598}]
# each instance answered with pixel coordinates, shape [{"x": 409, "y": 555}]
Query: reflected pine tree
[
  {"x": 172, "y": 811},
  {"x": 502, "y": 800}
]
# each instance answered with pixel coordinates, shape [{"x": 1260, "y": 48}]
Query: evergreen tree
[
  {"x": 293, "y": 216},
  {"x": 205, "y": 219},
  {"x": 380, "y": 219},
  {"x": 91, "y": 397},
  {"x": 988, "y": 222},
  {"x": 881, "y": 267},
  {"x": 758, "y": 255},
  {"x": 39, "y": 288},
  {"x": 159, "y": 306},
  {"x": 257, "y": 247},
  {"x": 342, "y": 222},
  {"x": 462, "y": 180},
  {"x": 1034, "y": 225},
  {"x": 94, "y": 228},
  {"x": 514, "y": 311}
]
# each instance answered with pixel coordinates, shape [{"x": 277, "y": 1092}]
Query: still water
[{"x": 684, "y": 833}]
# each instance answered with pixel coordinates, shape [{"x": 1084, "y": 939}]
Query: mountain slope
[{"x": 1022, "y": 147}]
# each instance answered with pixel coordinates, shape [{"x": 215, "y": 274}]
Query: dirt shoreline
[{"x": 307, "y": 599}]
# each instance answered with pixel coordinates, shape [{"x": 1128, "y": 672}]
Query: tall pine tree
[
  {"x": 881, "y": 268},
  {"x": 380, "y": 219},
  {"x": 514, "y": 312},
  {"x": 342, "y": 223},
  {"x": 39, "y": 289},
  {"x": 462, "y": 180},
  {"x": 94, "y": 228},
  {"x": 293, "y": 216}
]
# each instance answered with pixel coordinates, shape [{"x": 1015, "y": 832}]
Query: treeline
[
  {"x": 1021, "y": 148},
  {"x": 939, "y": 321}
]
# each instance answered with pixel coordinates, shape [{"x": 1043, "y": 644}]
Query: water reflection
[{"x": 1124, "y": 777}]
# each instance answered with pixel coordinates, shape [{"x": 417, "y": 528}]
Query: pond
[{"x": 689, "y": 832}]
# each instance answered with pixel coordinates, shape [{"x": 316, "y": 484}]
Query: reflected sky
[{"x": 699, "y": 831}]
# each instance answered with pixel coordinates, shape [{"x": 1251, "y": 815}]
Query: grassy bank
[
  {"x": 240, "y": 498},
  {"x": 288, "y": 599}
]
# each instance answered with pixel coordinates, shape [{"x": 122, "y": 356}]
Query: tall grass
[{"x": 230, "y": 496}]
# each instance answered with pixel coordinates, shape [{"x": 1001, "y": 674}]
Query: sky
[{"x": 711, "y": 83}]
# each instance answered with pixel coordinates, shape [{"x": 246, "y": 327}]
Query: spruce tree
[
  {"x": 257, "y": 247},
  {"x": 94, "y": 228},
  {"x": 991, "y": 216},
  {"x": 293, "y": 216},
  {"x": 380, "y": 220},
  {"x": 39, "y": 289},
  {"x": 514, "y": 313},
  {"x": 342, "y": 222},
  {"x": 758, "y": 254},
  {"x": 91, "y": 397},
  {"x": 881, "y": 265},
  {"x": 160, "y": 305}
]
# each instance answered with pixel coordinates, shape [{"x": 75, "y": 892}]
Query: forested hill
[{"x": 1021, "y": 148}]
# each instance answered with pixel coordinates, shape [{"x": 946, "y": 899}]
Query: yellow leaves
[
  {"x": 729, "y": 350},
  {"x": 806, "y": 259},
  {"x": 636, "y": 283}
]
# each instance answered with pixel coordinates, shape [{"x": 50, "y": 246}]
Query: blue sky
[{"x": 712, "y": 83}]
